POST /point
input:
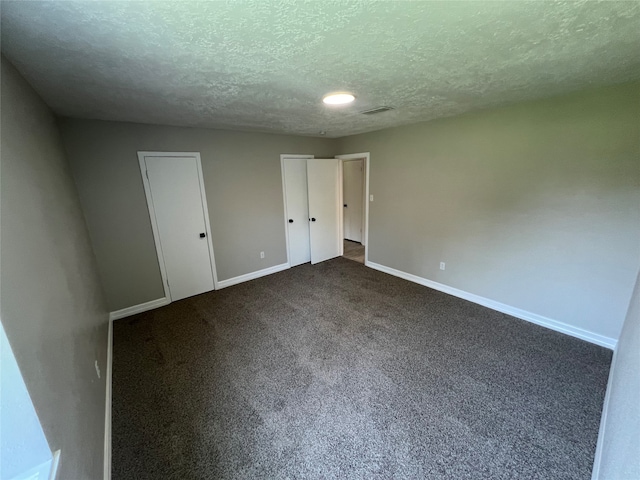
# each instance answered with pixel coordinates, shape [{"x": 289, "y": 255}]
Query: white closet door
[
  {"x": 353, "y": 186},
  {"x": 324, "y": 180},
  {"x": 297, "y": 207},
  {"x": 179, "y": 213}
]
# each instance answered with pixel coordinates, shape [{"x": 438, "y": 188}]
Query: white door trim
[
  {"x": 363, "y": 199},
  {"x": 152, "y": 214},
  {"x": 284, "y": 197},
  {"x": 107, "y": 404},
  {"x": 366, "y": 156}
]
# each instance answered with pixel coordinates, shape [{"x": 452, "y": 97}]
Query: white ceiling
[{"x": 265, "y": 65}]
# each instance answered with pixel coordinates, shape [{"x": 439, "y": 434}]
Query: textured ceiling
[{"x": 265, "y": 65}]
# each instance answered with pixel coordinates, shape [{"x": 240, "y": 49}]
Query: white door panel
[
  {"x": 180, "y": 217},
  {"x": 324, "y": 182},
  {"x": 353, "y": 197},
  {"x": 297, "y": 208}
]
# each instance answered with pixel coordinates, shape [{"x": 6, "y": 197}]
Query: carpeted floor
[{"x": 339, "y": 371}]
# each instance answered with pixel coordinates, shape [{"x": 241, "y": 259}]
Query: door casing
[
  {"x": 366, "y": 156},
  {"x": 350, "y": 182},
  {"x": 152, "y": 215}
]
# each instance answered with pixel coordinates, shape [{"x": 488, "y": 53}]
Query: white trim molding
[
  {"x": 253, "y": 275},
  {"x": 160, "y": 302},
  {"x": 366, "y": 156},
  {"x": 597, "y": 459},
  {"x": 501, "y": 307},
  {"x": 143, "y": 307},
  {"x": 55, "y": 462},
  {"x": 142, "y": 155},
  {"x": 107, "y": 405}
]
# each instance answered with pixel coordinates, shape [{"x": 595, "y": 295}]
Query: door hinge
[{"x": 146, "y": 172}]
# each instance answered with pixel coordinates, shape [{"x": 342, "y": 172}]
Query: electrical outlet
[
  {"x": 261, "y": 254},
  {"x": 442, "y": 265},
  {"x": 371, "y": 198}
]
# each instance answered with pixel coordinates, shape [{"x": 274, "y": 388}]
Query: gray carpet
[{"x": 340, "y": 371}]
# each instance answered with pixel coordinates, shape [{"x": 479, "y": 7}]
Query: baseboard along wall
[
  {"x": 253, "y": 275},
  {"x": 107, "y": 405},
  {"x": 586, "y": 335},
  {"x": 597, "y": 459},
  {"x": 558, "y": 326},
  {"x": 143, "y": 307}
]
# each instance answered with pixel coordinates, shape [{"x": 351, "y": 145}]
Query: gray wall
[
  {"x": 52, "y": 305},
  {"x": 244, "y": 194},
  {"x": 618, "y": 453},
  {"x": 536, "y": 205}
]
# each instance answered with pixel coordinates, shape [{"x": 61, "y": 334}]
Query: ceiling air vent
[{"x": 373, "y": 111}]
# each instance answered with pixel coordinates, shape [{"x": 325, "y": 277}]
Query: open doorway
[
  {"x": 353, "y": 251},
  {"x": 355, "y": 211}
]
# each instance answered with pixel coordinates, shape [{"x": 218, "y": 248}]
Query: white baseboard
[
  {"x": 501, "y": 307},
  {"x": 55, "y": 462},
  {"x": 597, "y": 459},
  {"x": 143, "y": 307},
  {"x": 107, "y": 405},
  {"x": 250, "y": 276}
]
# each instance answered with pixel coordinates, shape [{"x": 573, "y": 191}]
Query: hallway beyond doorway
[{"x": 353, "y": 251}]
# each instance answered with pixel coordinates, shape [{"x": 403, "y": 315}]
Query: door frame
[
  {"x": 284, "y": 197},
  {"x": 366, "y": 156},
  {"x": 363, "y": 199},
  {"x": 152, "y": 213}
]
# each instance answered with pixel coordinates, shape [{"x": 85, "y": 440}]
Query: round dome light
[{"x": 338, "y": 98}]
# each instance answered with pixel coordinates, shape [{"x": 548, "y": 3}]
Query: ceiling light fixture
[{"x": 340, "y": 98}]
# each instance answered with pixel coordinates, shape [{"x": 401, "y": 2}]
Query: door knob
[
  {"x": 290, "y": 220},
  {"x": 313, "y": 219},
  {"x": 202, "y": 235}
]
